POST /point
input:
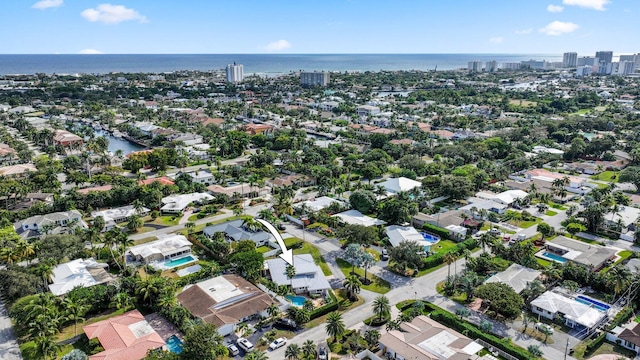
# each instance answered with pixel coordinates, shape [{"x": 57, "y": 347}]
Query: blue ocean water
[{"x": 253, "y": 63}]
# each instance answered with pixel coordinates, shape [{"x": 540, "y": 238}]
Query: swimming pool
[
  {"x": 174, "y": 344},
  {"x": 554, "y": 257},
  {"x": 180, "y": 261},
  {"x": 296, "y": 300},
  {"x": 596, "y": 304},
  {"x": 430, "y": 238}
]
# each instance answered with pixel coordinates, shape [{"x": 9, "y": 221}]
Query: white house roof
[
  {"x": 516, "y": 276},
  {"x": 396, "y": 185},
  {"x": 355, "y": 217},
  {"x": 505, "y": 197},
  {"x": 179, "y": 202},
  {"x": 164, "y": 246},
  {"x": 308, "y": 274},
  {"x": 319, "y": 203},
  {"x": 117, "y": 213},
  {"x": 484, "y": 204},
  {"x": 627, "y": 214},
  {"x": 572, "y": 309},
  {"x": 456, "y": 229},
  {"x": 79, "y": 272},
  {"x": 398, "y": 234}
]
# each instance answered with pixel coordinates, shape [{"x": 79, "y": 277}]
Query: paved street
[{"x": 9, "y": 349}]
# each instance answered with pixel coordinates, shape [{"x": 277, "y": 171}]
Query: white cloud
[
  {"x": 278, "y": 45},
  {"x": 555, "y": 8},
  {"x": 496, "y": 40},
  {"x": 45, "y": 4},
  {"x": 524, "y": 31},
  {"x": 90, "y": 52},
  {"x": 559, "y": 27},
  {"x": 589, "y": 4},
  {"x": 112, "y": 14}
]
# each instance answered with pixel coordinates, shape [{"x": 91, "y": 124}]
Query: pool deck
[{"x": 163, "y": 327}]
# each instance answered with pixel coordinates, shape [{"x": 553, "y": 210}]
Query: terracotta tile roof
[
  {"x": 401, "y": 141},
  {"x": 124, "y": 337},
  {"x": 162, "y": 180},
  {"x": 95, "y": 189},
  {"x": 445, "y": 134}
]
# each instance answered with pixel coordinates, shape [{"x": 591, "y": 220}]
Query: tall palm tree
[
  {"x": 256, "y": 355},
  {"x": 335, "y": 326},
  {"x": 251, "y": 224},
  {"x": 309, "y": 349},
  {"x": 620, "y": 277},
  {"x": 135, "y": 222},
  {"x": 147, "y": 288},
  {"x": 381, "y": 307},
  {"x": 292, "y": 352},
  {"x": 74, "y": 310},
  {"x": 138, "y": 206},
  {"x": 352, "y": 284},
  {"x": 485, "y": 240},
  {"x": 273, "y": 311},
  {"x": 449, "y": 258},
  {"x": 47, "y": 346},
  {"x": 121, "y": 300}
]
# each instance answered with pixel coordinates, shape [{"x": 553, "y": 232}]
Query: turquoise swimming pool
[
  {"x": 554, "y": 257},
  {"x": 180, "y": 261},
  {"x": 174, "y": 344},
  {"x": 296, "y": 300},
  {"x": 430, "y": 238}
]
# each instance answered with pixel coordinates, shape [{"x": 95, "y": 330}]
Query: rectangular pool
[
  {"x": 596, "y": 304},
  {"x": 180, "y": 261},
  {"x": 554, "y": 257},
  {"x": 174, "y": 344}
]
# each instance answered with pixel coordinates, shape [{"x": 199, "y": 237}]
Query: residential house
[
  {"x": 427, "y": 339},
  {"x": 118, "y": 215},
  {"x": 441, "y": 134},
  {"x": 236, "y": 231},
  {"x": 17, "y": 170},
  {"x": 78, "y": 273},
  {"x": 164, "y": 253},
  {"x": 477, "y": 206},
  {"x": 516, "y": 276},
  {"x": 548, "y": 176},
  {"x": 319, "y": 203},
  {"x": 624, "y": 220},
  {"x": 573, "y": 311},
  {"x": 101, "y": 188},
  {"x": 627, "y": 336},
  {"x": 592, "y": 256},
  {"x": 394, "y": 186},
  {"x": 238, "y": 191},
  {"x": 441, "y": 219},
  {"x": 66, "y": 139},
  {"x": 367, "y": 110},
  {"x": 201, "y": 176},
  {"x": 175, "y": 204},
  {"x": 162, "y": 180},
  {"x": 355, "y": 217},
  {"x": 225, "y": 301},
  {"x": 54, "y": 223},
  {"x": 255, "y": 129},
  {"x": 398, "y": 234},
  {"x": 7, "y": 154},
  {"x": 128, "y": 336},
  {"x": 506, "y": 197},
  {"x": 290, "y": 180},
  {"x": 308, "y": 277},
  {"x": 402, "y": 142},
  {"x": 633, "y": 265},
  {"x": 188, "y": 139},
  {"x": 145, "y": 127}
]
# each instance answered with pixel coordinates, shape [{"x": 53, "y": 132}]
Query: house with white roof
[
  {"x": 319, "y": 203},
  {"x": 400, "y": 184},
  {"x": 54, "y": 223},
  {"x": 355, "y": 217},
  {"x": 79, "y": 272},
  {"x": 626, "y": 218},
  {"x": 576, "y": 314},
  {"x": 164, "y": 253},
  {"x": 477, "y": 204},
  {"x": 516, "y": 276},
  {"x": 117, "y": 215},
  {"x": 398, "y": 234},
  {"x": 175, "y": 204},
  {"x": 308, "y": 278},
  {"x": 505, "y": 197},
  {"x": 236, "y": 231}
]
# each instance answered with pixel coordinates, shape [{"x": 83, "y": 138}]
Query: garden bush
[{"x": 442, "y": 232}]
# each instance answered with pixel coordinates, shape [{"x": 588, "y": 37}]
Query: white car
[
  {"x": 543, "y": 327},
  {"x": 277, "y": 343},
  {"x": 244, "y": 344}
]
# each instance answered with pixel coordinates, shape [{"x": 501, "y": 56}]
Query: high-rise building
[
  {"x": 474, "y": 66},
  {"x": 491, "y": 66},
  {"x": 570, "y": 59},
  {"x": 314, "y": 78},
  {"x": 587, "y": 60},
  {"x": 235, "y": 73},
  {"x": 511, "y": 66},
  {"x": 625, "y": 68},
  {"x": 605, "y": 56}
]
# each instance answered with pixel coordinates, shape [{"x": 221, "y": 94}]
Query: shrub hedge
[
  {"x": 442, "y": 232},
  {"x": 327, "y": 308}
]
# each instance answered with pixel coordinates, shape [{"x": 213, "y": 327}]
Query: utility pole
[{"x": 566, "y": 349}]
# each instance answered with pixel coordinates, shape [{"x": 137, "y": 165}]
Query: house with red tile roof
[
  {"x": 65, "y": 138},
  {"x": 162, "y": 180},
  {"x": 443, "y": 134},
  {"x": 125, "y": 337},
  {"x": 402, "y": 142},
  {"x": 102, "y": 188},
  {"x": 254, "y": 129}
]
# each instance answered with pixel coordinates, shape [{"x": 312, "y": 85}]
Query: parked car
[
  {"x": 322, "y": 353},
  {"x": 285, "y": 324},
  {"x": 384, "y": 255},
  {"x": 233, "y": 350},
  {"x": 543, "y": 327},
  {"x": 277, "y": 343},
  {"x": 244, "y": 344},
  {"x": 495, "y": 232}
]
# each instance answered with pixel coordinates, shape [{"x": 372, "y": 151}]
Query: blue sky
[{"x": 318, "y": 26}]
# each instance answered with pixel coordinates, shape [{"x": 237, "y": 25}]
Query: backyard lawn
[
  {"x": 308, "y": 248},
  {"x": 378, "y": 285},
  {"x": 610, "y": 176},
  {"x": 550, "y": 213}
]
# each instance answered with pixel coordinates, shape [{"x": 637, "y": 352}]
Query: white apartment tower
[
  {"x": 570, "y": 60},
  {"x": 474, "y": 66},
  {"x": 491, "y": 66},
  {"x": 314, "y": 78},
  {"x": 235, "y": 73}
]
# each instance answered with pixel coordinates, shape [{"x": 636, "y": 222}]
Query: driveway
[{"x": 9, "y": 349}]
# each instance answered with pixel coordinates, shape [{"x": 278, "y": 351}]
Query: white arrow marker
[{"x": 287, "y": 254}]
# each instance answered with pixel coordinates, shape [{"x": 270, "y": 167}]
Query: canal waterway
[{"x": 115, "y": 143}]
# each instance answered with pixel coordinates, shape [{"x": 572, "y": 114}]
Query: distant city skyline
[{"x": 327, "y": 27}]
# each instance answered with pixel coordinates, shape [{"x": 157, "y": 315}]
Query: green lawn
[
  {"x": 637, "y": 319},
  {"x": 308, "y": 248},
  {"x": 378, "y": 285},
  {"x": 376, "y": 255},
  {"x": 550, "y": 213},
  {"x": 165, "y": 220},
  {"x": 263, "y": 249},
  {"x": 582, "y": 112},
  {"x": 556, "y": 206},
  {"x": 542, "y": 262},
  {"x": 609, "y": 175},
  {"x": 443, "y": 246}
]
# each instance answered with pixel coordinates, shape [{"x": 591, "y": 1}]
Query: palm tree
[
  {"x": 292, "y": 352},
  {"x": 135, "y": 222},
  {"x": 352, "y": 284},
  {"x": 138, "y": 206},
  {"x": 381, "y": 307},
  {"x": 449, "y": 258},
  {"x": 256, "y": 355},
  {"x": 75, "y": 311},
  {"x": 485, "y": 240},
  {"x": 309, "y": 350},
  {"x": 189, "y": 226},
  {"x": 534, "y": 350},
  {"x": 273, "y": 311},
  {"x": 121, "y": 300},
  {"x": 291, "y": 273},
  {"x": 371, "y": 337},
  {"x": 251, "y": 224},
  {"x": 335, "y": 326},
  {"x": 147, "y": 288},
  {"x": 620, "y": 277},
  {"x": 46, "y": 346},
  {"x": 45, "y": 270}
]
